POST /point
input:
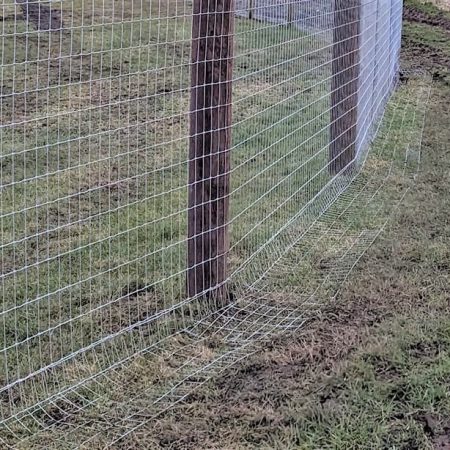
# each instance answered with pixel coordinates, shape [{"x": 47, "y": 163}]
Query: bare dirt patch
[
  {"x": 442, "y": 442},
  {"x": 415, "y": 15},
  {"x": 436, "y": 429},
  {"x": 422, "y": 52},
  {"x": 425, "y": 56},
  {"x": 257, "y": 392}
]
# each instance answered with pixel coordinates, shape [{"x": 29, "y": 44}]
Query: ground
[
  {"x": 93, "y": 209},
  {"x": 372, "y": 369},
  {"x": 373, "y": 372}
]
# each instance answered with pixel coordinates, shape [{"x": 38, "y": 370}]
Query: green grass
[
  {"x": 94, "y": 142},
  {"x": 426, "y": 39},
  {"x": 372, "y": 371},
  {"x": 147, "y": 376},
  {"x": 428, "y": 35},
  {"x": 93, "y": 150}
]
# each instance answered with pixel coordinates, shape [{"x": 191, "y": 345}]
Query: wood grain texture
[
  {"x": 210, "y": 141},
  {"x": 344, "y": 85}
]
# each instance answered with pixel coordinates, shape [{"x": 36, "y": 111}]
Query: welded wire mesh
[{"x": 96, "y": 109}]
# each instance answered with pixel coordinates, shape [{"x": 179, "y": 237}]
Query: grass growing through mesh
[
  {"x": 373, "y": 370},
  {"x": 94, "y": 143},
  {"x": 283, "y": 397},
  {"x": 144, "y": 387}
]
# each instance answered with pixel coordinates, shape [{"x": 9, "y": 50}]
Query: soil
[
  {"x": 421, "y": 54},
  {"x": 412, "y": 14},
  {"x": 258, "y": 390},
  {"x": 41, "y": 16},
  {"x": 291, "y": 368},
  {"x": 440, "y": 437}
]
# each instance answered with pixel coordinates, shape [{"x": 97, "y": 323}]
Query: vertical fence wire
[{"x": 124, "y": 135}]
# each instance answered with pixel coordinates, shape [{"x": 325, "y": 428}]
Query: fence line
[{"x": 157, "y": 159}]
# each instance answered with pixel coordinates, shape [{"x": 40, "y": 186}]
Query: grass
[
  {"x": 431, "y": 8},
  {"x": 93, "y": 155},
  {"x": 427, "y": 34},
  {"x": 372, "y": 371},
  {"x": 104, "y": 188}
]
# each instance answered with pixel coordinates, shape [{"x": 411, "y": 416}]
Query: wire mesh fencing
[{"x": 157, "y": 160}]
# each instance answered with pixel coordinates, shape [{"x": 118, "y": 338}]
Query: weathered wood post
[
  {"x": 209, "y": 147},
  {"x": 344, "y": 85}
]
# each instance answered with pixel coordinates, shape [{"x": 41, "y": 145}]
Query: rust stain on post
[{"x": 210, "y": 141}]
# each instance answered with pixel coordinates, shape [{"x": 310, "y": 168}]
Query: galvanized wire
[{"x": 94, "y": 138}]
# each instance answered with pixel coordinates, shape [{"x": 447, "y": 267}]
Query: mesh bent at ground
[{"x": 94, "y": 140}]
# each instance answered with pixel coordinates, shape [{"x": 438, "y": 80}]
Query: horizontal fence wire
[{"x": 157, "y": 160}]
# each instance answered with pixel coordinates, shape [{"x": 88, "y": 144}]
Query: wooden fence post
[
  {"x": 344, "y": 85},
  {"x": 210, "y": 140}
]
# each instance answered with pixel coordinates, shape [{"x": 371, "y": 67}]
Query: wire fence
[{"x": 157, "y": 160}]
